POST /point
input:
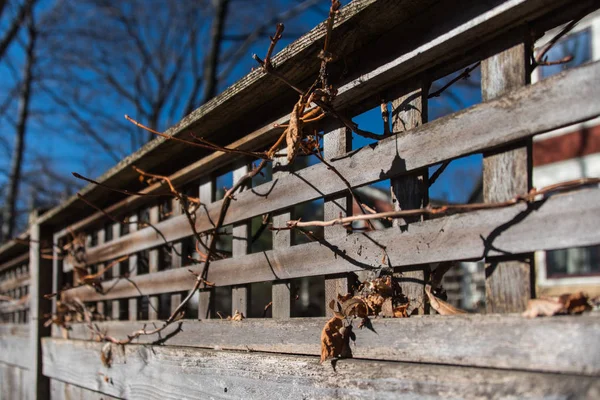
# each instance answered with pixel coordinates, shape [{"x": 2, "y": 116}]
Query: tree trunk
[
  {"x": 9, "y": 218},
  {"x": 212, "y": 60}
]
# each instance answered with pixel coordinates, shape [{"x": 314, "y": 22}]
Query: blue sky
[{"x": 67, "y": 151}]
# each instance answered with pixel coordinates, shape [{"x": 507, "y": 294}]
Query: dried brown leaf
[
  {"x": 401, "y": 311},
  {"x": 238, "y": 316},
  {"x": 106, "y": 355},
  {"x": 439, "y": 305},
  {"x": 575, "y": 303},
  {"x": 335, "y": 340}
]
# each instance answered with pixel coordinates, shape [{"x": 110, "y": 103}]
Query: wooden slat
[
  {"x": 22, "y": 259},
  {"x": 58, "y": 265},
  {"x": 240, "y": 295},
  {"x": 486, "y": 233},
  {"x": 101, "y": 239},
  {"x": 13, "y": 348},
  {"x": 429, "y": 55},
  {"x": 132, "y": 307},
  {"x": 176, "y": 254},
  {"x": 337, "y": 142},
  {"x": 281, "y": 295},
  {"x": 116, "y": 306},
  {"x": 14, "y": 330},
  {"x": 511, "y": 118},
  {"x": 40, "y": 270},
  {"x": 411, "y": 191},
  {"x": 206, "y": 296},
  {"x": 19, "y": 281},
  {"x": 507, "y": 174},
  {"x": 174, "y": 373},
  {"x": 14, "y": 382},
  {"x": 153, "y": 266},
  {"x": 561, "y": 344},
  {"x": 65, "y": 391}
]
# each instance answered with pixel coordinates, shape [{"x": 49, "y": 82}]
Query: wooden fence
[{"x": 391, "y": 50}]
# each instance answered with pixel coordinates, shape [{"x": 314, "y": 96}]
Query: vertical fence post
[
  {"x": 507, "y": 173},
  {"x": 116, "y": 304},
  {"x": 336, "y": 142},
  {"x": 241, "y": 234},
  {"x": 281, "y": 292},
  {"x": 57, "y": 283},
  {"x": 40, "y": 272},
  {"x": 101, "y": 240},
  {"x": 153, "y": 267},
  {"x": 411, "y": 191},
  {"x": 205, "y": 296},
  {"x": 133, "y": 267},
  {"x": 175, "y": 253}
]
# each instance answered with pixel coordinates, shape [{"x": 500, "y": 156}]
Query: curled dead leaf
[
  {"x": 575, "y": 303},
  {"x": 439, "y": 305},
  {"x": 106, "y": 355},
  {"x": 335, "y": 340}
]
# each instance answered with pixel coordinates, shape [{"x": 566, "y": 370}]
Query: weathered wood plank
[
  {"x": 507, "y": 174},
  {"x": 411, "y": 191},
  {"x": 281, "y": 295},
  {"x": 14, "y": 383},
  {"x": 65, "y": 391},
  {"x": 206, "y": 296},
  {"x": 40, "y": 271},
  {"x": 13, "y": 348},
  {"x": 429, "y": 55},
  {"x": 561, "y": 344},
  {"x": 132, "y": 306},
  {"x": 482, "y": 234},
  {"x": 176, "y": 372},
  {"x": 22, "y": 259},
  {"x": 521, "y": 114},
  {"x": 337, "y": 142},
  {"x": 13, "y": 283},
  {"x": 14, "y": 330},
  {"x": 240, "y": 295}
]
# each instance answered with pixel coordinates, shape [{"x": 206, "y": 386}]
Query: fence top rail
[{"x": 454, "y": 33}]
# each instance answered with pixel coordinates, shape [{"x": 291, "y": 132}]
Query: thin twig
[{"x": 449, "y": 209}]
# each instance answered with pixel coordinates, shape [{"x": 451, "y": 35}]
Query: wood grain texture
[
  {"x": 65, "y": 391},
  {"x": 337, "y": 142},
  {"x": 482, "y": 234},
  {"x": 13, "y": 348},
  {"x": 14, "y": 383},
  {"x": 142, "y": 372},
  {"x": 454, "y": 38},
  {"x": 240, "y": 295},
  {"x": 206, "y": 296},
  {"x": 281, "y": 295},
  {"x": 116, "y": 304},
  {"x": 518, "y": 115},
  {"x": 411, "y": 192},
  {"x": 132, "y": 307},
  {"x": 507, "y": 174},
  {"x": 562, "y": 344},
  {"x": 40, "y": 271}
]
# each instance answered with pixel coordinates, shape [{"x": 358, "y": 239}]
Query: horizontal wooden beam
[
  {"x": 521, "y": 114},
  {"x": 494, "y": 341},
  {"x": 475, "y": 235},
  {"x": 178, "y": 372},
  {"x": 65, "y": 391},
  {"x": 21, "y": 259},
  {"x": 358, "y": 91},
  {"x": 14, "y": 283}
]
